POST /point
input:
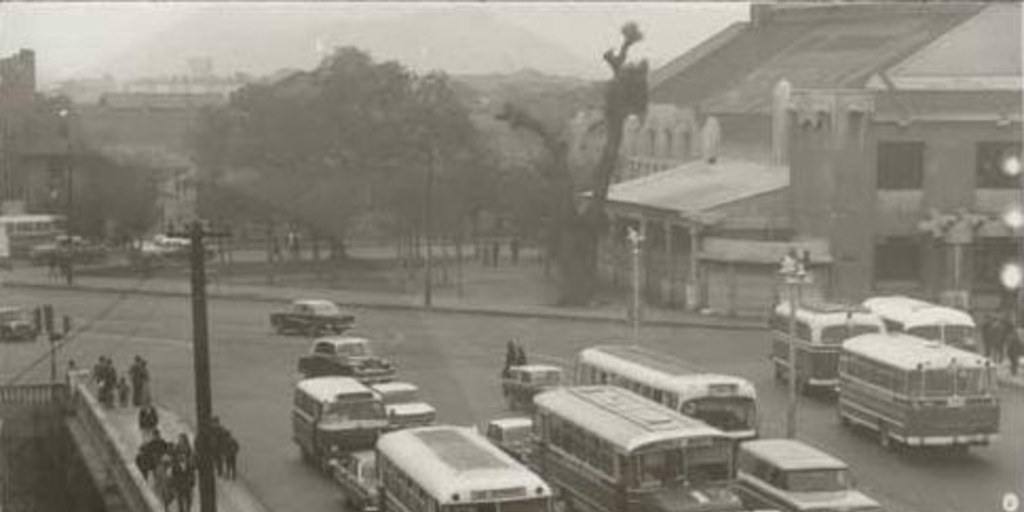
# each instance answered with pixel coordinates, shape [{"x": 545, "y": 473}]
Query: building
[
  {"x": 763, "y": 93},
  {"x": 902, "y": 178}
]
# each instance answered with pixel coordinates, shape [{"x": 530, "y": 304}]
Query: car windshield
[
  {"x": 352, "y": 349},
  {"x": 350, "y": 410},
  {"x": 818, "y": 480},
  {"x": 405, "y": 396},
  {"x": 323, "y": 308}
]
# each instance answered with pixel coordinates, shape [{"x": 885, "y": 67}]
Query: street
[{"x": 456, "y": 359}]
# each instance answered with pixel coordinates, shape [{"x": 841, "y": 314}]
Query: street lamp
[
  {"x": 794, "y": 273},
  {"x": 635, "y": 239},
  {"x": 65, "y": 128},
  {"x": 1011, "y": 274}
]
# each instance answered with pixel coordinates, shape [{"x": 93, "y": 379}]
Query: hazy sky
[{"x": 73, "y": 39}]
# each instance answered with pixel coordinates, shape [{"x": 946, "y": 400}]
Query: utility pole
[
  {"x": 635, "y": 239},
  {"x": 69, "y": 268},
  {"x": 794, "y": 273},
  {"x": 197, "y": 235},
  {"x": 428, "y": 277}
]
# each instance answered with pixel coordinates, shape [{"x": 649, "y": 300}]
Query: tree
[{"x": 575, "y": 231}]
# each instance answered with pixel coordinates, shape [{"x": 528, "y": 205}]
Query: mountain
[{"x": 263, "y": 38}]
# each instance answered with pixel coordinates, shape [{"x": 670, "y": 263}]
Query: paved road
[{"x": 455, "y": 360}]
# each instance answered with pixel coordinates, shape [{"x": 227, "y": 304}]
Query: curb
[{"x": 740, "y": 325}]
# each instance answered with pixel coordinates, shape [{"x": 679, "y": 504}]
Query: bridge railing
[
  {"x": 34, "y": 394},
  {"x": 117, "y": 460}
]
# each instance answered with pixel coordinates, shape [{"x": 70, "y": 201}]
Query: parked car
[
  {"x": 346, "y": 356},
  {"x": 403, "y": 404},
  {"x": 356, "y": 474},
  {"x": 312, "y": 317},
  {"x": 520, "y": 383},
  {"x": 792, "y": 476},
  {"x": 17, "y": 324},
  {"x": 82, "y": 251},
  {"x": 513, "y": 435}
]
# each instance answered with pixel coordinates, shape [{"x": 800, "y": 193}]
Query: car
[
  {"x": 312, "y": 317},
  {"x": 84, "y": 252},
  {"x": 16, "y": 324},
  {"x": 403, "y": 405},
  {"x": 513, "y": 435},
  {"x": 346, "y": 356},
  {"x": 519, "y": 384},
  {"x": 356, "y": 475}
]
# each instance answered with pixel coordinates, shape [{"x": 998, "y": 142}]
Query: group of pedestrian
[
  {"x": 1001, "y": 340},
  {"x": 515, "y": 355},
  {"x": 109, "y": 384},
  {"x": 491, "y": 254},
  {"x": 60, "y": 266},
  {"x": 171, "y": 465}
]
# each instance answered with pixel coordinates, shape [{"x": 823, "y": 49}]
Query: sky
[{"x": 83, "y": 39}]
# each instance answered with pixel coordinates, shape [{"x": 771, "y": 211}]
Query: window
[
  {"x": 820, "y": 480},
  {"x": 652, "y": 468},
  {"x": 837, "y": 334},
  {"x": 990, "y": 156},
  {"x": 900, "y": 165},
  {"x": 897, "y": 259}
]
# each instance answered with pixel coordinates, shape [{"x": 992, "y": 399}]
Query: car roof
[
  {"x": 342, "y": 340},
  {"x": 791, "y": 455},
  {"x": 532, "y": 368},
  {"x": 908, "y": 352},
  {"x": 326, "y": 389},
  {"x": 314, "y": 302},
  {"x": 391, "y": 387},
  {"x": 914, "y": 312},
  {"x": 518, "y": 422}
]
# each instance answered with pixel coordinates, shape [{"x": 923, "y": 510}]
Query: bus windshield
[
  {"x": 534, "y": 505},
  {"x": 725, "y": 413},
  {"x": 942, "y": 382},
  {"x": 836, "y": 334},
  {"x": 351, "y": 410},
  {"x": 818, "y": 480}
]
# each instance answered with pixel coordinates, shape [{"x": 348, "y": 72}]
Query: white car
[{"x": 404, "y": 407}]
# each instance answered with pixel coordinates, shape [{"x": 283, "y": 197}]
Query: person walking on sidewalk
[
  {"x": 1013, "y": 348},
  {"x": 138, "y": 374},
  {"x": 183, "y": 479},
  {"x": 230, "y": 455},
  {"x": 123, "y": 391},
  {"x": 218, "y": 435},
  {"x": 148, "y": 419}
]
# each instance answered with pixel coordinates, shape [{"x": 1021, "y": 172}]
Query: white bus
[
  {"x": 24, "y": 231},
  {"x": 454, "y": 469},
  {"x": 605, "y": 449},
  {"x": 918, "y": 392},
  {"x": 820, "y": 329},
  {"x": 926, "y": 320},
  {"x": 723, "y": 401}
]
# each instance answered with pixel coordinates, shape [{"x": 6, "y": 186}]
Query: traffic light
[{"x": 48, "y": 317}]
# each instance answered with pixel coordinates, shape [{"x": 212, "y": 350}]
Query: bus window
[
  {"x": 836, "y": 334},
  {"x": 818, "y": 480},
  {"x": 938, "y": 382},
  {"x": 652, "y": 469}
]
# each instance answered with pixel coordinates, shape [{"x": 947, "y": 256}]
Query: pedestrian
[
  {"x": 150, "y": 453},
  {"x": 988, "y": 336},
  {"x": 514, "y": 249},
  {"x": 1013, "y": 347},
  {"x": 109, "y": 383},
  {"x": 97, "y": 371},
  {"x": 230, "y": 455},
  {"x": 510, "y": 353},
  {"x": 149, "y": 419},
  {"x": 123, "y": 391},
  {"x": 162, "y": 480},
  {"x": 1000, "y": 329},
  {"x": 144, "y": 388},
  {"x": 520, "y": 356},
  {"x": 135, "y": 374},
  {"x": 183, "y": 480},
  {"x": 216, "y": 444}
]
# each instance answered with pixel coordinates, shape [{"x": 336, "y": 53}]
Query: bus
[
  {"x": 24, "y": 231},
  {"x": 335, "y": 415},
  {"x": 820, "y": 330},
  {"x": 926, "y": 320},
  {"x": 723, "y": 401},
  {"x": 918, "y": 392},
  {"x": 454, "y": 469},
  {"x": 606, "y": 449}
]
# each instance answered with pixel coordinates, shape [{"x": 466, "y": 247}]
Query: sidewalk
[
  {"x": 498, "y": 306},
  {"x": 232, "y": 495}
]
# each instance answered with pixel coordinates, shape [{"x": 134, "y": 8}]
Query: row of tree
[{"x": 358, "y": 144}]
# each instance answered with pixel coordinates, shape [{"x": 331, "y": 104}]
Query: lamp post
[
  {"x": 69, "y": 267},
  {"x": 635, "y": 239},
  {"x": 1012, "y": 272},
  {"x": 794, "y": 274}
]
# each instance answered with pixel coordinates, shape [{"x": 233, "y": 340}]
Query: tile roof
[
  {"x": 699, "y": 186},
  {"x": 985, "y": 47}
]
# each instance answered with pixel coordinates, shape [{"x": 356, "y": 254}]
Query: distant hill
[{"x": 260, "y": 40}]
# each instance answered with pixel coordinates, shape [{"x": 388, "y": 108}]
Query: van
[{"x": 332, "y": 416}]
